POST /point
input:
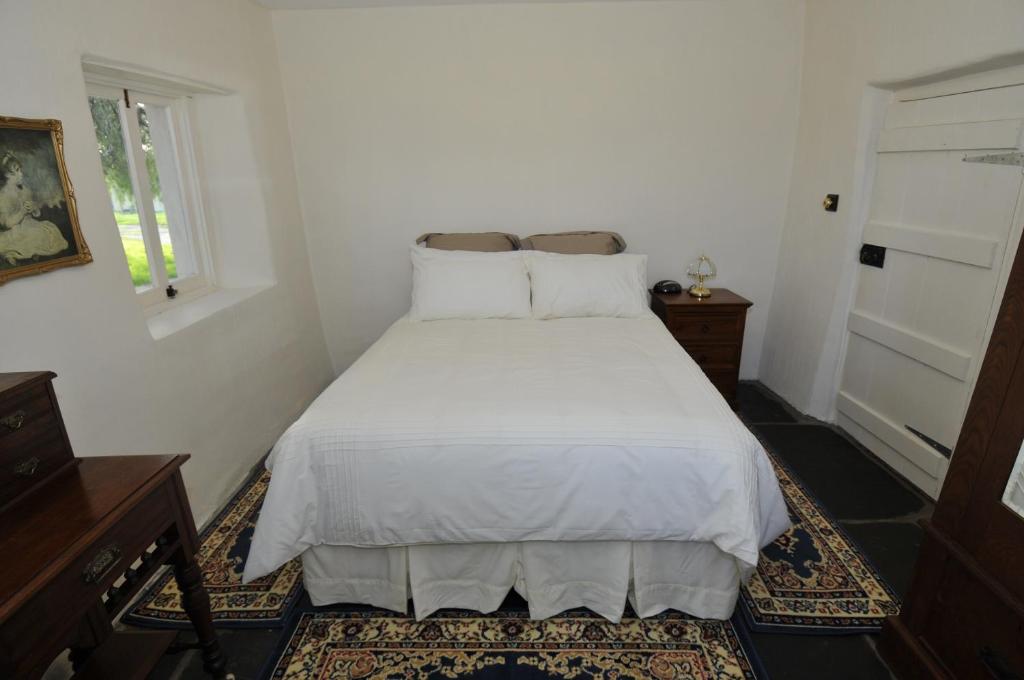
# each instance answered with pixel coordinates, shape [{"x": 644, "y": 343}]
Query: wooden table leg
[
  {"x": 196, "y": 603},
  {"x": 93, "y": 630}
]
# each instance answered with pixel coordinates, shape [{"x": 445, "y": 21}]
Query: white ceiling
[{"x": 329, "y": 4}]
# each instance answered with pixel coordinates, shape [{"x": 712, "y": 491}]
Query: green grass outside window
[
  {"x": 135, "y": 250},
  {"x": 130, "y": 218}
]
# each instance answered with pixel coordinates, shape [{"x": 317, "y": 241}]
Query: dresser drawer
[
  {"x": 43, "y": 453},
  {"x": 32, "y": 441},
  {"x": 714, "y": 356},
  {"x": 686, "y": 325},
  {"x": 86, "y": 579},
  {"x": 19, "y": 411}
]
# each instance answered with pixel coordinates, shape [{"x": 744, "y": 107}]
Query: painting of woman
[
  {"x": 22, "y": 235},
  {"x": 38, "y": 219}
]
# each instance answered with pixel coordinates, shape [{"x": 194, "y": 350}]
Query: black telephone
[{"x": 668, "y": 287}]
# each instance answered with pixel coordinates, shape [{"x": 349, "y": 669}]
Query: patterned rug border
[
  {"x": 742, "y": 606},
  {"x": 130, "y": 617},
  {"x": 737, "y": 622}
]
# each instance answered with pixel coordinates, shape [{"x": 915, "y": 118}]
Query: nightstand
[{"x": 710, "y": 330}]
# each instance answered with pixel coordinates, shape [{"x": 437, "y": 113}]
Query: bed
[{"x": 580, "y": 461}]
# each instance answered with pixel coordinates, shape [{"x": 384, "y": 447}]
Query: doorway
[{"x": 924, "y": 304}]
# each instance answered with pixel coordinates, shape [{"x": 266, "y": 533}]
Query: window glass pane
[
  {"x": 110, "y": 138},
  {"x": 162, "y": 168}
]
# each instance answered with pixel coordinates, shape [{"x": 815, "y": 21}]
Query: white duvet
[{"x": 590, "y": 429}]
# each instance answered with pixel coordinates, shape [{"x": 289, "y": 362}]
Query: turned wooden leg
[
  {"x": 93, "y": 630},
  {"x": 196, "y": 603},
  {"x": 78, "y": 657}
]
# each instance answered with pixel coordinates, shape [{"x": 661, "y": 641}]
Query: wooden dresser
[
  {"x": 79, "y": 537},
  {"x": 710, "y": 330}
]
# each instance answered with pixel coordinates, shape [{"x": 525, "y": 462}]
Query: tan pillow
[
  {"x": 486, "y": 242},
  {"x": 577, "y": 243}
]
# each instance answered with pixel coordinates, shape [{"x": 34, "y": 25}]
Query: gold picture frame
[{"x": 39, "y": 228}]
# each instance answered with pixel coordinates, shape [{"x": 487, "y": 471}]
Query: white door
[{"x": 919, "y": 325}]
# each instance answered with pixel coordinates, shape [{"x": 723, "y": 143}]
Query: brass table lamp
[{"x": 700, "y": 271}]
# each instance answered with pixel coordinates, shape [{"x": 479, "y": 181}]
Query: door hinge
[
  {"x": 1010, "y": 158},
  {"x": 942, "y": 449}
]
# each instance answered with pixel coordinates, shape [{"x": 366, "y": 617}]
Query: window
[{"x": 147, "y": 163}]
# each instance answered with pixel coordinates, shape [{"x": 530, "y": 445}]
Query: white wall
[
  {"x": 671, "y": 122},
  {"x": 226, "y": 387},
  {"x": 847, "y": 46}
]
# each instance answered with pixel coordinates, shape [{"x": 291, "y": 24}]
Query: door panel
[
  {"x": 918, "y": 325},
  {"x": 962, "y": 616}
]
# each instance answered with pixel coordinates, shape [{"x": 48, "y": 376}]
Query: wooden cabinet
[{"x": 710, "y": 330}]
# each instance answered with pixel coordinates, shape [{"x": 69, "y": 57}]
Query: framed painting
[{"x": 39, "y": 228}]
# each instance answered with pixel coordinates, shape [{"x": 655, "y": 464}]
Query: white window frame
[{"x": 155, "y": 298}]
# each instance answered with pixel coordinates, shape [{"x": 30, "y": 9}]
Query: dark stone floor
[
  {"x": 875, "y": 507},
  {"x": 872, "y": 504}
]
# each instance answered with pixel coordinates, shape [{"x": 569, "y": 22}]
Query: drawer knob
[
  {"x": 705, "y": 328},
  {"x": 101, "y": 564},
  {"x": 13, "y": 421},
  {"x": 27, "y": 467}
]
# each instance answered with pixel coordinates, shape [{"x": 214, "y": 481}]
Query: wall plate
[{"x": 872, "y": 256}]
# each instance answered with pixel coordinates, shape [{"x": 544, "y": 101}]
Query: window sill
[{"x": 192, "y": 311}]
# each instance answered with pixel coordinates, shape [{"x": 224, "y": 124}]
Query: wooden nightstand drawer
[
  {"x": 712, "y": 357},
  {"x": 710, "y": 330},
  {"x": 687, "y": 325}
]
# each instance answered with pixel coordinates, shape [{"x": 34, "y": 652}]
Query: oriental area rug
[{"x": 375, "y": 645}]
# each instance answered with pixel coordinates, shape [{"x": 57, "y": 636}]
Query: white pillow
[
  {"x": 587, "y": 285},
  {"x": 457, "y": 284}
]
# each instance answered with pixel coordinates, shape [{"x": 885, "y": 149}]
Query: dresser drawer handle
[
  {"x": 705, "y": 328},
  {"x": 27, "y": 467},
  {"x": 101, "y": 564},
  {"x": 13, "y": 421}
]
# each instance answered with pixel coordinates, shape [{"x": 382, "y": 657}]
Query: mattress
[{"x": 504, "y": 431}]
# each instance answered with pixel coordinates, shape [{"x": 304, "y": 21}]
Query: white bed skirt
[{"x": 696, "y": 578}]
